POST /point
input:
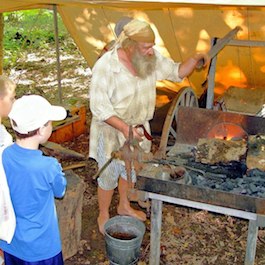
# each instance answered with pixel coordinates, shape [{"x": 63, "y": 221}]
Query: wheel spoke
[
  {"x": 173, "y": 132},
  {"x": 192, "y": 102},
  {"x": 188, "y": 97},
  {"x": 182, "y": 102}
]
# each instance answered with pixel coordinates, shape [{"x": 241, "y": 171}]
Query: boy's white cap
[{"x": 32, "y": 112}]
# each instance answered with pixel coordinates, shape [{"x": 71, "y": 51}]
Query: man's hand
[
  {"x": 202, "y": 59},
  {"x": 123, "y": 127},
  {"x": 138, "y": 133}
]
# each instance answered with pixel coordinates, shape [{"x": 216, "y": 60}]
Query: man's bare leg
[
  {"x": 124, "y": 207},
  {"x": 104, "y": 201}
]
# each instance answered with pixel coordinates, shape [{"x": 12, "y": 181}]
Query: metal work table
[{"x": 159, "y": 191}]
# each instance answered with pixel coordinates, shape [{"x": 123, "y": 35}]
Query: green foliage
[{"x": 30, "y": 30}]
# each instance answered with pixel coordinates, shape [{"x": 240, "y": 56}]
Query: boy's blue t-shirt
[{"x": 34, "y": 180}]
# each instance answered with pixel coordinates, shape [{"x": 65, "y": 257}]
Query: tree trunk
[{"x": 1, "y": 42}]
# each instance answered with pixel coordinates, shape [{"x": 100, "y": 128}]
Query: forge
[{"x": 216, "y": 164}]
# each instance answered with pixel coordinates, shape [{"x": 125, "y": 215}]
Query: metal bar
[
  {"x": 204, "y": 206},
  {"x": 251, "y": 242},
  {"x": 156, "y": 220},
  {"x": 211, "y": 84},
  {"x": 58, "y": 65},
  {"x": 211, "y": 81},
  {"x": 261, "y": 220},
  {"x": 103, "y": 168},
  {"x": 220, "y": 44},
  {"x": 247, "y": 43}
]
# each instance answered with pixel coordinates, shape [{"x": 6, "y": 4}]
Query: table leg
[
  {"x": 156, "y": 220},
  {"x": 251, "y": 242}
]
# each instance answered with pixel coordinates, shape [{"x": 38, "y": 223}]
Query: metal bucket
[{"x": 123, "y": 239}]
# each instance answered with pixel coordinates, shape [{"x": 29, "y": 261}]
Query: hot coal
[
  {"x": 232, "y": 177},
  {"x": 233, "y": 169},
  {"x": 252, "y": 183}
]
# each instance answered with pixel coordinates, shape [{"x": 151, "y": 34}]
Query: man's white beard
[{"x": 143, "y": 65}]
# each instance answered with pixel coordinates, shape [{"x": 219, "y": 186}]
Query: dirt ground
[{"x": 189, "y": 236}]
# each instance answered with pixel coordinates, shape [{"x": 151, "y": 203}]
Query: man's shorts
[
  {"x": 108, "y": 180},
  {"x": 12, "y": 260}
]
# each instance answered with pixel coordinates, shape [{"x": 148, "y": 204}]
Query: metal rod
[
  {"x": 156, "y": 221},
  {"x": 205, "y": 206},
  {"x": 58, "y": 65},
  {"x": 251, "y": 242},
  {"x": 211, "y": 80},
  {"x": 103, "y": 168},
  {"x": 247, "y": 43},
  {"x": 211, "y": 85}
]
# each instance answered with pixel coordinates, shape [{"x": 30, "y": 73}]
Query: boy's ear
[{"x": 41, "y": 130}]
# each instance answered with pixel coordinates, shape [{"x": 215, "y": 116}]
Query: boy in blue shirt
[{"x": 34, "y": 181}]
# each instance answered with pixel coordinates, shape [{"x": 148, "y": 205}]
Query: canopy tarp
[{"x": 181, "y": 27}]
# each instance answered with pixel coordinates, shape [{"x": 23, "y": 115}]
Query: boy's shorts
[{"x": 12, "y": 260}]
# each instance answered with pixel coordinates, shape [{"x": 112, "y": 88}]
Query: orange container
[{"x": 71, "y": 127}]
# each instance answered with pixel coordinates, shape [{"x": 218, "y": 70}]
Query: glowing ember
[{"x": 227, "y": 131}]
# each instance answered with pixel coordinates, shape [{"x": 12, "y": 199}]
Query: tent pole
[
  {"x": 55, "y": 18},
  {"x": 1, "y": 43}
]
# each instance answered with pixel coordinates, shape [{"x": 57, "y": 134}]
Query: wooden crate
[{"x": 71, "y": 127}]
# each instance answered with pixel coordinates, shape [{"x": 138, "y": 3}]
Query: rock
[
  {"x": 256, "y": 152},
  {"x": 212, "y": 151}
]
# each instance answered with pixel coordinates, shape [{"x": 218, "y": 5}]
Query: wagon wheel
[{"x": 185, "y": 97}]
